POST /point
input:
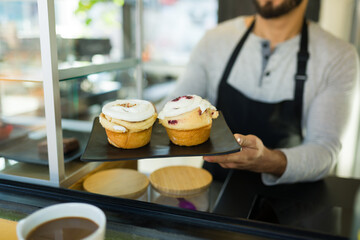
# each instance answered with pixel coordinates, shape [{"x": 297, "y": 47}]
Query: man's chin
[{"x": 268, "y": 10}]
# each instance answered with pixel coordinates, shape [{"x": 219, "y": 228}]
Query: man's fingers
[
  {"x": 222, "y": 158},
  {"x": 216, "y": 159},
  {"x": 248, "y": 141},
  {"x": 232, "y": 165},
  {"x": 239, "y": 138},
  {"x": 243, "y": 140},
  {"x": 223, "y": 165}
]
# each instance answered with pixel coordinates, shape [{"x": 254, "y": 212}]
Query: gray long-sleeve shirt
[{"x": 332, "y": 70}]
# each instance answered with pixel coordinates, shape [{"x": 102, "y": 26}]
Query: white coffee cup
[{"x": 83, "y": 210}]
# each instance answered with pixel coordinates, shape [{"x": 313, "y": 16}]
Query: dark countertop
[
  {"x": 323, "y": 206},
  {"x": 143, "y": 220}
]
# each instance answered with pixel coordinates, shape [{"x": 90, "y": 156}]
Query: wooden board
[
  {"x": 78, "y": 185},
  {"x": 175, "y": 181},
  {"x": 125, "y": 183}
]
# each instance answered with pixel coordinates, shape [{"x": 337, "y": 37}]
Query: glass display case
[
  {"x": 23, "y": 127},
  {"x": 60, "y": 61}
]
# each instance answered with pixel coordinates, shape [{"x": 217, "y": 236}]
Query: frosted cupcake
[
  {"x": 188, "y": 120},
  {"x": 128, "y": 123}
]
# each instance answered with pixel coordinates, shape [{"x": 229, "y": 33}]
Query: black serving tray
[
  {"x": 24, "y": 149},
  {"x": 221, "y": 141}
]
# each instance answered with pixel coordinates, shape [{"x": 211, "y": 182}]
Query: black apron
[{"x": 278, "y": 125}]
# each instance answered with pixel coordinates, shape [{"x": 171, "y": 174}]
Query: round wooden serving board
[
  {"x": 175, "y": 181},
  {"x": 125, "y": 183}
]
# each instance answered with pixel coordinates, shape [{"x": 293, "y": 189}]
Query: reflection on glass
[
  {"x": 172, "y": 28},
  {"x": 171, "y": 31},
  {"x": 20, "y": 56},
  {"x": 94, "y": 32},
  {"x": 82, "y": 98},
  {"x": 98, "y": 34},
  {"x": 23, "y": 148}
]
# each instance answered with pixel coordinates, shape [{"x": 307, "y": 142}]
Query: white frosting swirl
[
  {"x": 132, "y": 110},
  {"x": 184, "y": 104}
]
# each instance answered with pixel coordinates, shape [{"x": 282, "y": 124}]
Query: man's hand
[{"x": 254, "y": 156}]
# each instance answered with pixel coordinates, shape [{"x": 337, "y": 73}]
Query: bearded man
[{"x": 284, "y": 86}]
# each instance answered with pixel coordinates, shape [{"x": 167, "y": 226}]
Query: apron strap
[{"x": 300, "y": 76}]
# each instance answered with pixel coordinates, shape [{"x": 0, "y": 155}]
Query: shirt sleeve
[
  {"x": 194, "y": 79},
  {"x": 324, "y": 125}
]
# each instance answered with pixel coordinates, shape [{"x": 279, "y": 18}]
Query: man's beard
[{"x": 269, "y": 11}]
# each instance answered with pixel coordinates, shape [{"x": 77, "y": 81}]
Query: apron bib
[{"x": 278, "y": 125}]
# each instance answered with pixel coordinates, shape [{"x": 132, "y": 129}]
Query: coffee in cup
[{"x": 64, "y": 221}]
